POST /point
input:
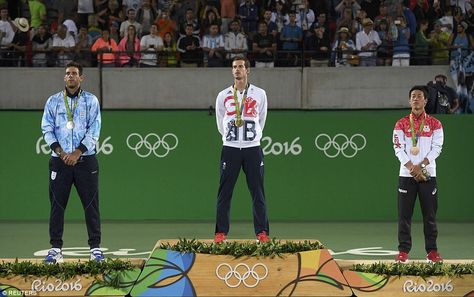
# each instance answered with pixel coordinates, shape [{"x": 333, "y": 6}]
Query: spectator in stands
[
  {"x": 169, "y": 52},
  {"x": 248, "y": 14},
  {"x": 347, "y": 21},
  {"x": 371, "y": 7},
  {"x": 439, "y": 45},
  {"x": 422, "y": 45},
  {"x": 146, "y": 16},
  {"x": 461, "y": 43},
  {"x": 291, "y": 37},
  {"x": 66, "y": 9},
  {"x": 420, "y": 9},
  {"x": 318, "y": 45},
  {"x": 93, "y": 30},
  {"x": 129, "y": 48},
  {"x": 442, "y": 99},
  {"x": 189, "y": 20},
  {"x": 38, "y": 14},
  {"x": 235, "y": 42},
  {"x": 190, "y": 49},
  {"x": 279, "y": 16},
  {"x": 84, "y": 8},
  {"x": 383, "y": 14},
  {"x": 367, "y": 42},
  {"x": 353, "y": 5},
  {"x": 358, "y": 22},
  {"x": 401, "y": 47},
  {"x": 272, "y": 27},
  {"x": 151, "y": 45},
  {"x": 343, "y": 48},
  {"x": 83, "y": 47},
  {"x": 165, "y": 24},
  {"x": 131, "y": 4},
  {"x": 329, "y": 31},
  {"x": 306, "y": 17},
  {"x": 42, "y": 44},
  {"x": 131, "y": 21},
  {"x": 114, "y": 32},
  {"x": 435, "y": 12},
  {"x": 211, "y": 17},
  {"x": 228, "y": 13},
  {"x": 71, "y": 26},
  {"x": 113, "y": 13},
  {"x": 20, "y": 42},
  {"x": 384, "y": 51},
  {"x": 7, "y": 33},
  {"x": 264, "y": 47},
  {"x": 106, "y": 49},
  {"x": 410, "y": 20},
  {"x": 213, "y": 47},
  {"x": 63, "y": 46}
]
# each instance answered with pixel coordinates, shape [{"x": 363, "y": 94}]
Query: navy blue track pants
[
  {"x": 251, "y": 161},
  {"x": 85, "y": 177}
]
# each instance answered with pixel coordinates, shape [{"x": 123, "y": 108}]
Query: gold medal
[
  {"x": 414, "y": 150},
  {"x": 239, "y": 122},
  {"x": 70, "y": 125}
]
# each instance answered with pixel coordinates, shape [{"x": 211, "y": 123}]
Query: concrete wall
[{"x": 162, "y": 88}]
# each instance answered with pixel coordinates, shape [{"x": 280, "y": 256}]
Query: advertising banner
[{"x": 319, "y": 165}]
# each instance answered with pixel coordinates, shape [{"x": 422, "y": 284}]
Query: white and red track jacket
[
  {"x": 254, "y": 114},
  {"x": 430, "y": 142}
]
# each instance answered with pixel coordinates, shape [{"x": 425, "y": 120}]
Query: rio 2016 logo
[
  {"x": 278, "y": 148},
  {"x": 103, "y": 147}
]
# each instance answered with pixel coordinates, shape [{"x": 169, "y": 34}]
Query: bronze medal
[{"x": 414, "y": 150}]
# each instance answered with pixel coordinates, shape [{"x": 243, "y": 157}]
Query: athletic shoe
[
  {"x": 434, "y": 257},
  {"x": 54, "y": 256},
  {"x": 402, "y": 258},
  {"x": 220, "y": 237},
  {"x": 263, "y": 237},
  {"x": 97, "y": 255}
]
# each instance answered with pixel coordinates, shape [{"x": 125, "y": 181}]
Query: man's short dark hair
[
  {"x": 419, "y": 88},
  {"x": 242, "y": 58},
  {"x": 74, "y": 64}
]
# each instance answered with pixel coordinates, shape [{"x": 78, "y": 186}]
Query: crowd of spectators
[{"x": 194, "y": 33}]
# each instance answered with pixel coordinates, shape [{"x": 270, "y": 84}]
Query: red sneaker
[
  {"x": 434, "y": 257},
  {"x": 263, "y": 237},
  {"x": 402, "y": 258},
  {"x": 220, "y": 237}
]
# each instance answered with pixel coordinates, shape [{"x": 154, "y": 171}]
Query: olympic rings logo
[
  {"x": 340, "y": 144},
  {"x": 152, "y": 143},
  {"x": 246, "y": 275}
]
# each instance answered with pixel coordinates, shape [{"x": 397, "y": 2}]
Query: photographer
[
  {"x": 442, "y": 99},
  {"x": 352, "y": 4}
]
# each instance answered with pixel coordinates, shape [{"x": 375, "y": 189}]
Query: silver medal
[{"x": 70, "y": 125}]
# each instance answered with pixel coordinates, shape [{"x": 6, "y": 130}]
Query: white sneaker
[
  {"x": 54, "y": 255},
  {"x": 97, "y": 255}
]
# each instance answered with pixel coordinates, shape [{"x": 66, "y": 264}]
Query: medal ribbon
[
  {"x": 238, "y": 108},
  {"x": 414, "y": 138},
  {"x": 70, "y": 112}
]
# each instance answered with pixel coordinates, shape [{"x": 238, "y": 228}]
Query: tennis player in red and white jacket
[
  {"x": 417, "y": 141},
  {"x": 241, "y": 111}
]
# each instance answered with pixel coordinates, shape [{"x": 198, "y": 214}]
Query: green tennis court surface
[{"x": 347, "y": 240}]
